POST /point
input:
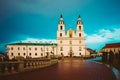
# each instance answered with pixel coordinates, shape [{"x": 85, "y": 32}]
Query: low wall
[
  {"x": 30, "y": 64},
  {"x": 12, "y": 67}
]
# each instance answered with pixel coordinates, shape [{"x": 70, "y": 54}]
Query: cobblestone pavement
[{"x": 67, "y": 70}]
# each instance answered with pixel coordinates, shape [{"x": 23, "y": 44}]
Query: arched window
[
  {"x": 18, "y": 54},
  {"x": 61, "y": 28},
  {"x": 24, "y": 54},
  {"x": 11, "y": 54},
  {"x": 60, "y": 34},
  {"x": 35, "y": 48},
  {"x": 79, "y": 27},
  {"x": 79, "y": 53},
  {"x": 18, "y": 48},
  {"x": 30, "y": 54},
  {"x": 79, "y": 34},
  {"x": 29, "y": 48},
  {"x": 41, "y": 54},
  {"x": 35, "y": 54},
  {"x": 11, "y": 48},
  {"x": 24, "y": 48}
]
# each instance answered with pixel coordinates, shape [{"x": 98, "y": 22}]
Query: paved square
[{"x": 67, "y": 70}]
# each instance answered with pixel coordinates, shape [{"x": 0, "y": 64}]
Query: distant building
[
  {"x": 33, "y": 50},
  {"x": 69, "y": 43},
  {"x": 114, "y": 47}
]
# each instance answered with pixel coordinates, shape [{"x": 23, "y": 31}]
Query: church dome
[{"x": 70, "y": 32}]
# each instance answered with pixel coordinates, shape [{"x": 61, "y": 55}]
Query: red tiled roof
[{"x": 113, "y": 45}]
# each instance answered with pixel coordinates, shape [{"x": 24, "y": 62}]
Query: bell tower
[
  {"x": 79, "y": 23},
  {"x": 79, "y": 28},
  {"x": 61, "y": 28},
  {"x": 69, "y": 42}
]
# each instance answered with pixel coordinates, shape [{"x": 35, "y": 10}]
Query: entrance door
[{"x": 71, "y": 55}]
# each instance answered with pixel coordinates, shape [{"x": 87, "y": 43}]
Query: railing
[
  {"x": 111, "y": 57},
  {"x": 12, "y": 67},
  {"x": 38, "y": 63}
]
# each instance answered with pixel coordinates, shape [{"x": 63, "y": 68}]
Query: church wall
[{"x": 72, "y": 40}]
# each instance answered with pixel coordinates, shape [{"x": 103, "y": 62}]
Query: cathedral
[{"x": 69, "y": 43}]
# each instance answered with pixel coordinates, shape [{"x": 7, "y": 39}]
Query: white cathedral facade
[{"x": 70, "y": 43}]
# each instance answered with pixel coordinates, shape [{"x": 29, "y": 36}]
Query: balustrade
[
  {"x": 8, "y": 67},
  {"x": 11, "y": 67}
]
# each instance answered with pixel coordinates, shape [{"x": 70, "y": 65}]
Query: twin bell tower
[{"x": 70, "y": 42}]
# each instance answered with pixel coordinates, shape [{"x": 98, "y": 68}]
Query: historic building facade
[
  {"x": 33, "y": 50},
  {"x": 69, "y": 43},
  {"x": 114, "y": 47}
]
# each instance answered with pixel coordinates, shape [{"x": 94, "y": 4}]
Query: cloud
[
  {"x": 27, "y": 40},
  {"x": 104, "y": 35},
  {"x": 35, "y": 40}
]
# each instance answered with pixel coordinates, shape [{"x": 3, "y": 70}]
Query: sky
[{"x": 37, "y": 20}]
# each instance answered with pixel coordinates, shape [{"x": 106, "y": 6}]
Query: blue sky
[{"x": 37, "y": 20}]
